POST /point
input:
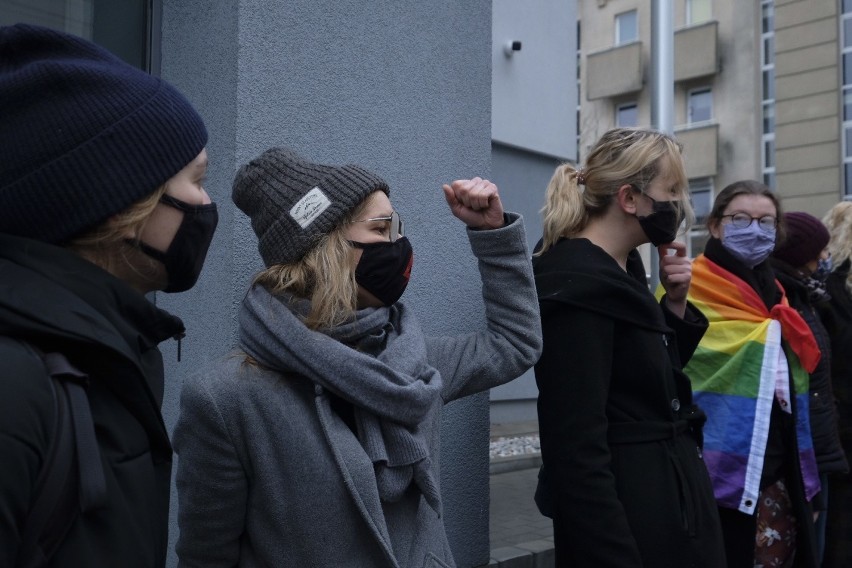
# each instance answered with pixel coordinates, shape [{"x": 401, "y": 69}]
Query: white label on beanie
[{"x": 309, "y": 207}]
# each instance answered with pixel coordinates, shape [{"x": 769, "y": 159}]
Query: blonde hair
[
  {"x": 631, "y": 156},
  {"x": 324, "y": 277},
  {"x": 838, "y": 220},
  {"x": 104, "y": 245}
]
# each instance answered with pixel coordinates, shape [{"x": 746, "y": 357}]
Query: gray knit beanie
[{"x": 293, "y": 202}]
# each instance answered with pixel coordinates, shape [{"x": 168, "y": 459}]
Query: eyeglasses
[
  {"x": 743, "y": 220},
  {"x": 395, "y": 226}
]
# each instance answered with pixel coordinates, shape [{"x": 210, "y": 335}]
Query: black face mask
[
  {"x": 185, "y": 256},
  {"x": 661, "y": 225},
  {"x": 384, "y": 268}
]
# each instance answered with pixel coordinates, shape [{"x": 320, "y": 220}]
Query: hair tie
[{"x": 581, "y": 177}]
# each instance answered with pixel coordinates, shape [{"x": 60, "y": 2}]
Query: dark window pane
[
  {"x": 847, "y": 104},
  {"x": 626, "y": 27},
  {"x": 847, "y": 180},
  {"x": 769, "y": 84},
  {"x": 627, "y": 115},
  {"x": 768, "y": 118},
  {"x": 847, "y": 68},
  {"x": 118, "y": 25},
  {"x": 769, "y": 50},
  {"x": 847, "y": 6},
  {"x": 847, "y": 135},
  {"x": 769, "y": 179},
  {"x": 697, "y": 243},
  {"x": 847, "y": 32},
  {"x": 700, "y": 106},
  {"x": 701, "y": 204},
  {"x": 769, "y": 17},
  {"x": 769, "y": 153}
]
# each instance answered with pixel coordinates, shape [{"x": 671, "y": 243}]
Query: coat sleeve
[
  {"x": 573, "y": 377},
  {"x": 688, "y": 330},
  {"x": 511, "y": 341},
  {"x": 211, "y": 482},
  {"x": 27, "y": 416}
]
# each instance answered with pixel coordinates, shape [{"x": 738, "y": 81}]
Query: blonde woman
[
  {"x": 623, "y": 476},
  {"x": 838, "y": 320},
  {"x": 101, "y": 202},
  {"x": 316, "y": 443}
]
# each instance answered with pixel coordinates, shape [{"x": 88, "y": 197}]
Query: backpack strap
[{"x": 72, "y": 462}]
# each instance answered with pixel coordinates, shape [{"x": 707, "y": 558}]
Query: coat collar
[{"x": 579, "y": 273}]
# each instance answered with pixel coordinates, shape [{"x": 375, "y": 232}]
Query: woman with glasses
[
  {"x": 750, "y": 374},
  {"x": 316, "y": 442},
  {"x": 622, "y": 474}
]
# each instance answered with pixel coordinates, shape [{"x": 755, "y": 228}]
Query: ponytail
[{"x": 564, "y": 212}]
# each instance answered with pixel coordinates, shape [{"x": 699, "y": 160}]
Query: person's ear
[
  {"x": 715, "y": 228},
  {"x": 626, "y": 199}
]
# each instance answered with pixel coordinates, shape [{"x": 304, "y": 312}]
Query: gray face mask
[{"x": 750, "y": 245}]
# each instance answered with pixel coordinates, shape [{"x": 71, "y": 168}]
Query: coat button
[
  {"x": 748, "y": 503},
  {"x": 675, "y": 404}
]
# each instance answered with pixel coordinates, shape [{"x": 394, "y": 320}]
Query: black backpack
[{"x": 71, "y": 480}]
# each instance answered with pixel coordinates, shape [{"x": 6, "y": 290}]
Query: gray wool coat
[{"x": 269, "y": 475}]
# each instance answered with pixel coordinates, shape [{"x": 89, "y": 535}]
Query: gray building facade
[{"x": 402, "y": 88}]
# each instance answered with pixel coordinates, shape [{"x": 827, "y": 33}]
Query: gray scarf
[{"x": 377, "y": 362}]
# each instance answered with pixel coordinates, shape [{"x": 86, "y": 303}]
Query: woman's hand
[
  {"x": 475, "y": 202},
  {"x": 675, "y": 276}
]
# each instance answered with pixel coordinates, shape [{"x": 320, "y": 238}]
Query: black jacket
[
  {"x": 620, "y": 436},
  {"x": 838, "y": 321},
  {"x": 53, "y": 299},
  {"x": 823, "y": 409}
]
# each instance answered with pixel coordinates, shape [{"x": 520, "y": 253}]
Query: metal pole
[{"x": 662, "y": 86}]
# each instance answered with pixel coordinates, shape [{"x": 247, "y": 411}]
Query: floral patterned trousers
[{"x": 775, "y": 541}]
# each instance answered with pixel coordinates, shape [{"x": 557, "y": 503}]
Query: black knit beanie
[
  {"x": 83, "y": 135},
  {"x": 806, "y": 236},
  {"x": 293, "y": 202}
]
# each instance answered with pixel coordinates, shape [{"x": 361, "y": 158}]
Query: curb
[
  {"x": 514, "y": 463},
  {"x": 533, "y": 554}
]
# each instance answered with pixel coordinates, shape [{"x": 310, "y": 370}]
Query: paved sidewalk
[
  {"x": 514, "y": 517},
  {"x": 520, "y": 535}
]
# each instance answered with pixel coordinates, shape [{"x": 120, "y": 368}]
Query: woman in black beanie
[
  {"x": 101, "y": 202},
  {"x": 802, "y": 265}
]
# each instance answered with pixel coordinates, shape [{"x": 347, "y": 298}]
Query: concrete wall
[
  {"x": 807, "y": 137},
  {"x": 402, "y": 88},
  {"x": 534, "y": 92},
  {"x": 522, "y": 178}
]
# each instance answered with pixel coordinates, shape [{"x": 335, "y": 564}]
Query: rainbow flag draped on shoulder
[{"x": 739, "y": 368}]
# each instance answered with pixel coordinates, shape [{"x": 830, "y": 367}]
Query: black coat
[
  {"x": 56, "y": 300},
  {"x": 838, "y": 320},
  {"x": 823, "y": 412},
  {"x": 620, "y": 436}
]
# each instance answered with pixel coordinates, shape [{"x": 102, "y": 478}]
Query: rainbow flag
[{"x": 740, "y": 367}]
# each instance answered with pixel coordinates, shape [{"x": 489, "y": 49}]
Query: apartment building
[{"x": 760, "y": 92}]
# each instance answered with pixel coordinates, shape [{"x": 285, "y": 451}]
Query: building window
[
  {"x": 767, "y": 68},
  {"x": 121, "y": 26},
  {"x": 627, "y": 115},
  {"x": 626, "y": 27},
  {"x": 699, "y": 105},
  {"x": 697, "y": 11},
  {"x": 701, "y": 196},
  {"x": 846, "y": 94}
]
